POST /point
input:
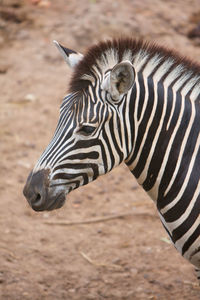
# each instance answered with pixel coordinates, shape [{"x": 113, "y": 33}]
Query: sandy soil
[{"x": 123, "y": 258}]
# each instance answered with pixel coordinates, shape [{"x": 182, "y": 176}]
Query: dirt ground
[{"x": 124, "y": 258}]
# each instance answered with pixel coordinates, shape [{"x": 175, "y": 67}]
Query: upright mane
[{"x": 105, "y": 55}]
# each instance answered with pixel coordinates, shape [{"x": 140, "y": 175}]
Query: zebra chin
[{"x": 40, "y": 195}]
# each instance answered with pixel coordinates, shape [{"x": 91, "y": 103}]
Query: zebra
[{"x": 136, "y": 102}]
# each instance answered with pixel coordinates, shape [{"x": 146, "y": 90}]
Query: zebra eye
[{"x": 86, "y": 130}]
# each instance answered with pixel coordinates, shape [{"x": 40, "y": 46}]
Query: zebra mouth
[
  {"x": 57, "y": 203},
  {"x": 50, "y": 204}
]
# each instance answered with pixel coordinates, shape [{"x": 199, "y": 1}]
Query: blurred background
[{"x": 128, "y": 257}]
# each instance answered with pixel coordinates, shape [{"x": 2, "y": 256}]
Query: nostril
[
  {"x": 37, "y": 198},
  {"x": 36, "y": 202}
]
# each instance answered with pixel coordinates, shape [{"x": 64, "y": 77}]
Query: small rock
[
  {"x": 46, "y": 215},
  {"x": 195, "y": 32},
  {"x": 72, "y": 290},
  {"x": 30, "y": 98},
  {"x": 3, "y": 69},
  {"x": 1, "y": 278},
  {"x": 134, "y": 271},
  {"x": 44, "y": 3},
  {"x": 23, "y": 34},
  {"x": 24, "y": 164},
  {"x": 35, "y": 2}
]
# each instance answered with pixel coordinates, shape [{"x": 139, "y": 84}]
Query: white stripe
[
  {"x": 156, "y": 137},
  {"x": 146, "y": 99},
  {"x": 154, "y": 191},
  {"x": 185, "y": 215},
  {"x": 140, "y": 59},
  {"x": 195, "y": 92},
  {"x": 176, "y": 86},
  {"x": 183, "y": 145},
  {"x": 179, "y": 244},
  {"x": 187, "y": 177},
  {"x": 194, "y": 259},
  {"x": 146, "y": 72},
  {"x": 135, "y": 121}
]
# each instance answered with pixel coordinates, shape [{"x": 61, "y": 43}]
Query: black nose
[{"x": 36, "y": 189}]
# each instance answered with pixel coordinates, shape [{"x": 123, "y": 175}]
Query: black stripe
[
  {"x": 80, "y": 166},
  {"x": 187, "y": 224},
  {"x": 171, "y": 237},
  {"x": 87, "y": 155},
  {"x": 131, "y": 110},
  {"x": 107, "y": 142},
  {"x": 115, "y": 143},
  {"x": 151, "y": 132},
  {"x": 161, "y": 145},
  {"x": 68, "y": 176},
  {"x": 81, "y": 144},
  {"x": 186, "y": 158},
  {"x": 142, "y": 95},
  {"x": 191, "y": 240},
  {"x": 154, "y": 166},
  {"x": 177, "y": 210},
  {"x": 142, "y": 127}
]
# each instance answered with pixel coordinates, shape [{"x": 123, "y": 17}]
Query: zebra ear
[
  {"x": 70, "y": 56},
  {"x": 120, "y": 79}
]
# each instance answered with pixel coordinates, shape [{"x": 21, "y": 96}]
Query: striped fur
[{"x": 155, "y": 129}]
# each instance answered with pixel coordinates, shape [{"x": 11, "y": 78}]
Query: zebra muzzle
[{"x": 38, "y": 194}]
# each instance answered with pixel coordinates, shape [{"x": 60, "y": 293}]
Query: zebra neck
[
  {"x": 148, "y": 102},
  {"x": 163, "y": 113}
]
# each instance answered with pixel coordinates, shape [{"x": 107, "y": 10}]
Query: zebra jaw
[{"x": 71, "y": 57}]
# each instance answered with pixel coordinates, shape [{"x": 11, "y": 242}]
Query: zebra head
[{"x": 89, "y": 139}]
